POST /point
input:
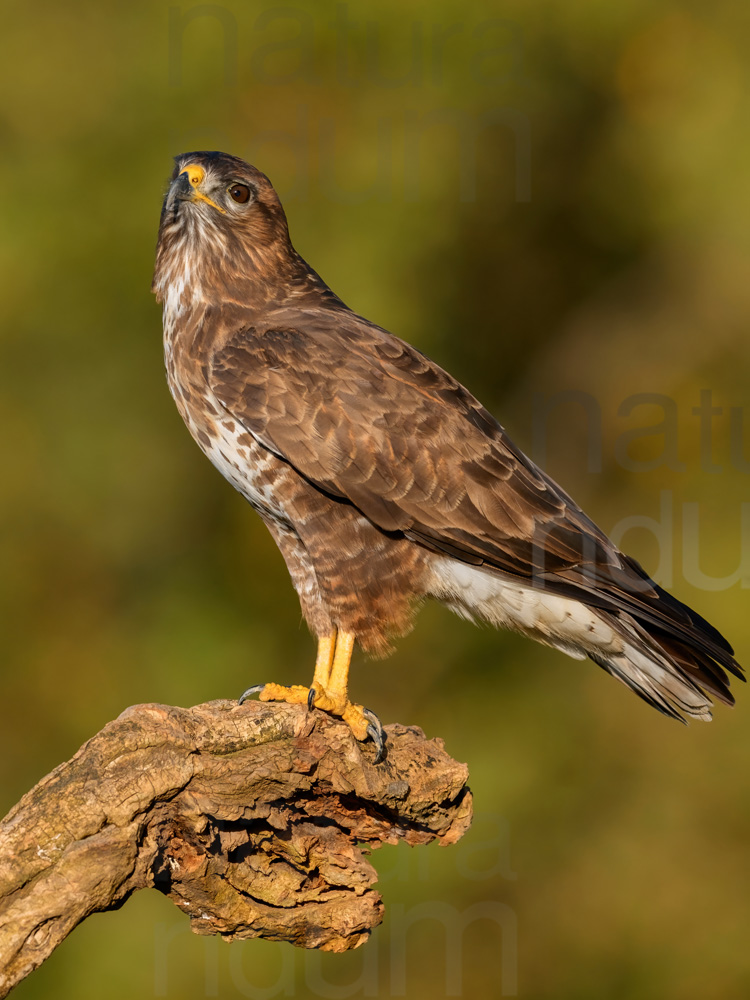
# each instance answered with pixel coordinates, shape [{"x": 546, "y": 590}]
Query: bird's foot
[
  {"x": 294, "y": 695},
  {"x": 362, "y": 722}
]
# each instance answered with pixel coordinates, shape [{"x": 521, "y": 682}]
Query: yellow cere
[{"x": 195, "y": 175}]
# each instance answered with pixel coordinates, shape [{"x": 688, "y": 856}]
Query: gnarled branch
[{"x": 254, "y": 819}]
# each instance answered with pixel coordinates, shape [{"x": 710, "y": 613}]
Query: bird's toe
[{"x": 294, "y": 695}]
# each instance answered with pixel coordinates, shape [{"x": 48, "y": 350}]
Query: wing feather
[{"x": 369, "y": 419}]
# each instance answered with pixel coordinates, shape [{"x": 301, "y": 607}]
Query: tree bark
[{"x": 255, "y": 820}]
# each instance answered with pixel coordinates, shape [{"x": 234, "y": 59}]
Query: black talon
[
  {"x": 376, "y": 733},
  {"x": 310, "y": 699},
  {"x": 377, "y": 738},
  {"x": 250, "y": 691},
  {"x": 369, "y": 714}
]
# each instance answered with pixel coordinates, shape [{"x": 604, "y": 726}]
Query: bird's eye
[{"x": 239, "y": 193}]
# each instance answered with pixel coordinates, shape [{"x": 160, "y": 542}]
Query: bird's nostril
[{"x": 195, "y": 174}]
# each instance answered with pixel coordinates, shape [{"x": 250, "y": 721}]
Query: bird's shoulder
[{"x": 316, "y": 350}]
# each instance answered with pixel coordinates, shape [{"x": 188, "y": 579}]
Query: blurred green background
[{"x": 543, "y": 197}]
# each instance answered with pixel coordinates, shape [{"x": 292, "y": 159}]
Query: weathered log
[{"x": 255, "y": 820}]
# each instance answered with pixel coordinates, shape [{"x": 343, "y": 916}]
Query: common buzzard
[{"x": 382, "y": 479}]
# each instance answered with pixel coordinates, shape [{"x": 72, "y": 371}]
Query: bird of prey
[{"x": 383, "y": 480}]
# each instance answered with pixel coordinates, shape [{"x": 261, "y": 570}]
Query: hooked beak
[{"x": 187, "y": 186}]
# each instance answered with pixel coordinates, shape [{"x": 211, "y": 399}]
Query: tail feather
[
  {"x": 675, "y": 673},
  {"x": 640, "y": 682},
  {"x": 703, "y": 671}
]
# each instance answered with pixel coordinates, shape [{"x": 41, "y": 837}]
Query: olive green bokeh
[{"x": 543, "y": 197}]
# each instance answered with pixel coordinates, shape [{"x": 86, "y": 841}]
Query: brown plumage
[{"x": 381, "y": 478}]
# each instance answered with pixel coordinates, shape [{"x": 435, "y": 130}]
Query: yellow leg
[
  {"x": 338, "y": 682},
  {"x": 324, "y": 660},
  {"x": 333, "y": 697}
]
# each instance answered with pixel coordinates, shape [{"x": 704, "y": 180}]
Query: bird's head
[{"x": 219, "y": 213}]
